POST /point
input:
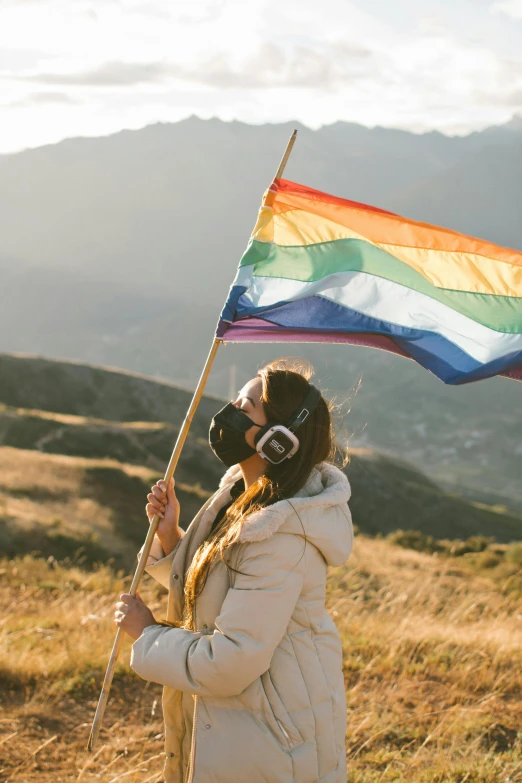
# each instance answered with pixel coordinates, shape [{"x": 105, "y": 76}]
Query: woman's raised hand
[{"x": 163, "y": 501}]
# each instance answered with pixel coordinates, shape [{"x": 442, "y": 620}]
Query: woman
[{"x": 250, "y": 660}]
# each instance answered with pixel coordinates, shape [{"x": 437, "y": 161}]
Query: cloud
[
  {"x": 303, "y": 66},
  {"x": 108, "y": 74},
  {"x": 511, "y": 99},
  {"x": 511, "y": 8},
  {"x": 16, "y": 58},
  {"x": 203, "y": 13},
  {"x": 151, "y": 10},
  {"x": 271, "y": 67},
  {"x": 42, "y": 99},
  {"x": 504, "y": 86},
  {"x": 433, "y": 25},
  {"x": 39, "y": 98}
]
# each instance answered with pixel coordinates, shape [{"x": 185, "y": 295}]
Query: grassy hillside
[
  {"x": 74, "y": 507},
  {"x": 432, "y": 666},
  {"x": 93, "y": 509},
  {"x": 141, "y": 443},
  {"x": 98, "y": 392},
  {"x": 467, "y": 439},
  {"x": 59, "y": 462},
  {"x": 389, "y": 495}
]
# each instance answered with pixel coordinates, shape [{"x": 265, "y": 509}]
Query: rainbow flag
[{"x": 323, "y": 269}]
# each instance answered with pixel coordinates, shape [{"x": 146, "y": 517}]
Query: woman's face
[{"x": 249, "y": 402}]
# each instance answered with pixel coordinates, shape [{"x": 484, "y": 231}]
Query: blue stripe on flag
[{"x": 436, "y": 353}]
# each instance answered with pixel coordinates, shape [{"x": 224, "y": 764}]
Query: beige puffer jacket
[{"x": 261, "y": 680}]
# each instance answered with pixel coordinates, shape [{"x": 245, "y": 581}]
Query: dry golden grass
[
  {"x": 41, "y": 491},
  {"x": 433, "y": 668},
  {"x": 54, "y": 642},
  {"x": 432, "y": 663},
  {"x": 49, "y": 501}
]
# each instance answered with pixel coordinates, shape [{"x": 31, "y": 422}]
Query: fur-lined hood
[{"x": 320, "y": 507}]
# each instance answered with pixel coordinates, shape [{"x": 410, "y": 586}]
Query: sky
[{"x": 93, "y": 67}]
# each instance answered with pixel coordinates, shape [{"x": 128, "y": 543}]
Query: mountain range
[{"x": 119, "y": 251}]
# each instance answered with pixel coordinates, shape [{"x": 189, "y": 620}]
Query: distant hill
[
  {"x": 142, "y": 443},
  {"x": 59, "y": 505},
  {"x": 79, "y": 478},
  {"x": 390, "y": 495},
  {"x": 98, "y": 392},
  {"x": 466, "y": 439}
]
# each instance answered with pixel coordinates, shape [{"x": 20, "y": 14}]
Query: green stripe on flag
[{"x": 310, "y": 263}]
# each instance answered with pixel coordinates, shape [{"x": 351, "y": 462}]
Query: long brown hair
[{"x": 284, "y": 387}]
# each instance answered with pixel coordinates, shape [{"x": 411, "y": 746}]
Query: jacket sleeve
[
  {"x": 254, "y": 618},
  {"x": 159, "y": 565}
]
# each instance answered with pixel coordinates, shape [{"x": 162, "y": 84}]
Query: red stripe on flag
[{"x": 285, "y": 186}]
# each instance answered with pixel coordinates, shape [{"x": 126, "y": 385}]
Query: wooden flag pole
[
  {"x": 198, "y": 393},
  {"x": 284, "y": 159},
  {"x": 107, "y": 682}
]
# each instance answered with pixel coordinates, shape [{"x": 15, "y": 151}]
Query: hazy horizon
[{"x": 515, "y": 121}]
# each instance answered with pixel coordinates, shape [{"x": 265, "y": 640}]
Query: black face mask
[{"x": 227, "y": 435}]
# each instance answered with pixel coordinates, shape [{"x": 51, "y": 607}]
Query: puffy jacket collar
[{"x": 326, "y": 486}]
